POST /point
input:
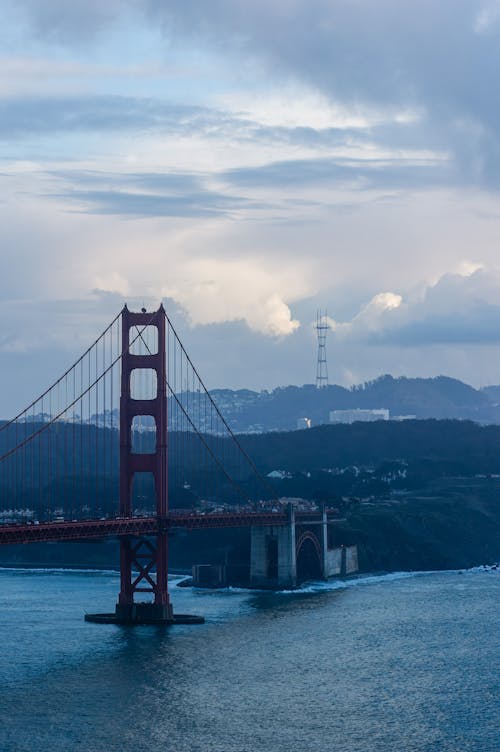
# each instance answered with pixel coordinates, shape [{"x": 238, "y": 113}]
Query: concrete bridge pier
[
  {"x": 273, "y": 563},
  {"x": 332, "y": 558},
  {"x": 283, "y": 556}
]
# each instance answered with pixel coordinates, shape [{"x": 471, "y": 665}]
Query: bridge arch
[{"x": 309, "y": 557}]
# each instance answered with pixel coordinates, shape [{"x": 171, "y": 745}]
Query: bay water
[{"x": 404, "y": 662}]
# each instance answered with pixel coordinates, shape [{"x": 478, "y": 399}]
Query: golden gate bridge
[{"x": 128, "y": 442}]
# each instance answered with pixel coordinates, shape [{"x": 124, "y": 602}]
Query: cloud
[
  {"x": 124, "y": 203},
  {"x": 385, "y": 54},
  {"x": 295, "y": 106},
  {"x": 319, "y": 153},
  {"x": 199, "y": 265},
  {"x": 216, "y": 290},
  {"x": 20, "y": 117},
  {"x": 51, "y": 115},
  {"x": 417, "y": 55},
  {"x": 253, "y": 162},
  {"x": 459, "y": 308},
  {"x": 371, "y": 319},
  {"x": 63, "y": 23},
  {"x": 146, "y": 194},
  {"x": 410, "y": 171},
  {"x": 175, "y": 182}
]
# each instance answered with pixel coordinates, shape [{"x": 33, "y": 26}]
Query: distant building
[
  {"x": 352, "y": 416},
  {"x": 303, "y": 423},
  {"x": 404, "y": 417}
]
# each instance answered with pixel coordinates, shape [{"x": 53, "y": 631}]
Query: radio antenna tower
[{"x": 321, "y": 365}]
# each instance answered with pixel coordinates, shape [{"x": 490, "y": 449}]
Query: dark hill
[
  {"x": 467, "y": 445},
  {"x": 441, "y": 397},
  {"x": 414, "y": 495}
]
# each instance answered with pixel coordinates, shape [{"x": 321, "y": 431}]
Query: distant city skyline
[{"x": 248, "y": 164}]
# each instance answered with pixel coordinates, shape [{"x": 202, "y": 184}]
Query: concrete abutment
[{"x": 275, "y": 551}]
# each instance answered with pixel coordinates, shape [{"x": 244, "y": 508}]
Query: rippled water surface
[{"x": 395, "y": 663}]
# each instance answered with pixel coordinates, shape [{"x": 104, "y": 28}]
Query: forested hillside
[{"x": 413, "y": 495}]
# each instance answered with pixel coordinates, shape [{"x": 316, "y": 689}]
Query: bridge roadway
[{"x": 120, "y": 526}]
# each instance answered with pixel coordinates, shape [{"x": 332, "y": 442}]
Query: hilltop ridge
[{"x": 440, "y": 397}]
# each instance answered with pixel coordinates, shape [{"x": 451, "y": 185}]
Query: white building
[
  {"x": 303, "y": 423},
  {"x": 352, "y": 416}
]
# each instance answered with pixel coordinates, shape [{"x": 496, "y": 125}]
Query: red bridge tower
[{"x": 144, "y": 561}]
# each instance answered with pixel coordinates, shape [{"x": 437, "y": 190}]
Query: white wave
[
  {"x": 59, "y": 570},
  {"x": 374, "y": 579},
  {"x": 172, "y": 578},
  {"x": 341, "y": 584},
  {"x": 494, "y": 568}
]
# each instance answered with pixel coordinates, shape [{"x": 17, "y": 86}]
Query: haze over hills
[
  {"x": 281, "y": 408},
  {"x": 248, "y": 411}
]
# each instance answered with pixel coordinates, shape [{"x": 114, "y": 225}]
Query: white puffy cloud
[
  {"x": 373, "y": 317},
  {"x": 459, "y": 308},
  {"x": 217, "y": 290}
]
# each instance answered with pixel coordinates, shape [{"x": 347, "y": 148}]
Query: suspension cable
[
  {"x": 227, "y": 426},
  {"x": 68, "y": 371}
]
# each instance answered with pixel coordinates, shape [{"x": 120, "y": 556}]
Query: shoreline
[{"x": 178, "y": 573}]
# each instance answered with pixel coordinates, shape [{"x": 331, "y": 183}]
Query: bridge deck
[{"x": 92, "y": 529}]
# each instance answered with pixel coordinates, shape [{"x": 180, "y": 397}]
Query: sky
[{"x": 247, "y": 163}]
